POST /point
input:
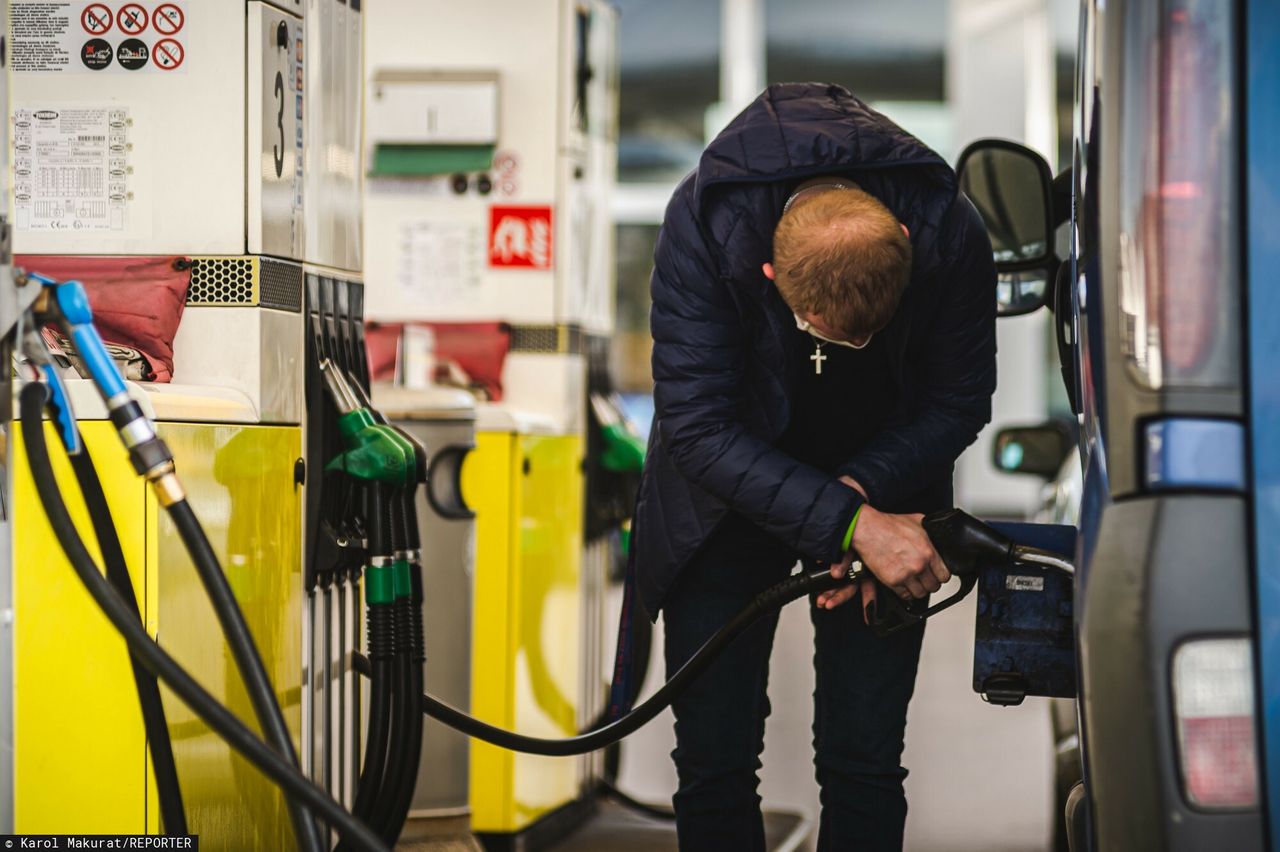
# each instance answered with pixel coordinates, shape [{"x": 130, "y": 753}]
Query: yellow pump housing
[
  {"x": 527, "y": 654},
  {"x": 76, "y": 719}
]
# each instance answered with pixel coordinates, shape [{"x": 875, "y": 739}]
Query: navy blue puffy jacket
[{"x": 721, "y": 388}]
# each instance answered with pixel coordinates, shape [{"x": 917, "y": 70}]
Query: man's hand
[
  {"x": 838, "y": 597},
  {"x": 897, "y": 550}
]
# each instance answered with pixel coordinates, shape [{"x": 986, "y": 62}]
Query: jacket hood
[{"x": 794, "y": 130}]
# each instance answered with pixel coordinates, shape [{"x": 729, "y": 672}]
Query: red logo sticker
[
  {"x": 96, "y": 19},
  {"x": 133, "y": 18},
  {"x": 520, "y": 237}
]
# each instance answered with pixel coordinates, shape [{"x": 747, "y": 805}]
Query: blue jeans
[{"x": 860, "y": 706}]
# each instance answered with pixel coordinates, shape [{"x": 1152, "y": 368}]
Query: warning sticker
[
  {"x": 296, "y": 63},
  {"x": 133, "y": 19},
  {"x": 93, "y": 36},
  {"x": 71, "y": 168},
  {"x": 169, "y": 54},
  {"x": 169, "y": 19},
  {"x": 97, "y": 54},
  {"x": 1022, "y": 583},
  {"x": 96, "y": 19},
  {"x": 520, "y": 237},
  {"x": 133, "y": 53}
]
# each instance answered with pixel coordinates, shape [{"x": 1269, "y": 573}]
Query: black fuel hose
[
  {"x": 773, "y": 598},
  {"x": 380, "y": 630},
  {"x": 173, "y": 816},
  {"x": 418, "y": 658},
  {"x": 402, "y": 716},
  {"x": 402, "y": 709},
  {"x": 357, "y": 705},
  {"x": 326, "y": 678},
  {"x": 245, "y": 653},
  {"x": 223, "y": 722},
  {"x": 380, "y": 697},
  {"x": 402, "y": 768}
]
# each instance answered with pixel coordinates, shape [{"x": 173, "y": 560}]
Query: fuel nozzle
[
  {"x": 343, "y": 396},
  {"x": 964, "y": 542},
  {"x": 67, "y": 303}
]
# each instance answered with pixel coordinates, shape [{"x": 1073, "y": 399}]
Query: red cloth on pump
[
  {"x": 136, "y": 301},
  {"x": 478, "y": 349}
]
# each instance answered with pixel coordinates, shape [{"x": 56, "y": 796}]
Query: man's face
[
  {"x": 816, "y": 324},
  {"x": 828, "y": 332}
]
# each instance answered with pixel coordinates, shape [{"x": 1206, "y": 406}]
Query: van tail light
[
  {"x": 1183, "y": 194},
  {"x": 1214, "y": 715}
]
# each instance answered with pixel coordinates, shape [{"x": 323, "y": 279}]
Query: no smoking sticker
[
  {"x": 168, "y": 19},
  {"x": 168, "y": 54},
  {"x": 96, "y": 19},
  {"x": 132, "y": 19}
]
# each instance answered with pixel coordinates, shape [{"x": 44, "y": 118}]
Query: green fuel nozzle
[{"x": 375, "y": 453}]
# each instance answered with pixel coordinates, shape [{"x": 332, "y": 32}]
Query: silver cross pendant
[{"x": 817, "y": 358}]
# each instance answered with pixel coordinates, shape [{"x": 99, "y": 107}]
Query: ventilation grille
[
  {"x": 562, "y": 339},
  {"x": 281, "y": 286},
  {"x": 249, "y": 281},
  {"x": 223, "y": 281}
]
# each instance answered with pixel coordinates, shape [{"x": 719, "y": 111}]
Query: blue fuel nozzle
[
  {"x": 69, "y": 306},
  {"x": 73, "y": 305}
]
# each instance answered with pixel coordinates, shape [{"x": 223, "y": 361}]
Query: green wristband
[{"x": 848, "y": 535}]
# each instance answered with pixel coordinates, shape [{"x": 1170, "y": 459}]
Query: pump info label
[{"x": 70, "y": 168}]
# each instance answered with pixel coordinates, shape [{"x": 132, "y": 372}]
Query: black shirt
[{"x": 836, "y": 412}]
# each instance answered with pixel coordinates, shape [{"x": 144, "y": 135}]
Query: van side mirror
[
  {"x": 1012, "y": 188},
  {"x": 1038, "y": 450}
]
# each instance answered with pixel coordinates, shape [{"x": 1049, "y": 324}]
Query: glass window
[
  {"x": 632, "y": 344},
  {"x": 891, "y": 55},
  {"x": 670, "y": 51},
  {"x": 879, "y": 51}
]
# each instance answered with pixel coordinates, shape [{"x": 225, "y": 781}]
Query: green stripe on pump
[{"x": 427, "y": 160}]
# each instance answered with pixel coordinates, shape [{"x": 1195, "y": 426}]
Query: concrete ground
[{"x": 981, "y": 776}]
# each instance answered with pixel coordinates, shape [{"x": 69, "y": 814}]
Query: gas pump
[
  {"x": 488, "y": 236},
  {"x": 164, "y": 155}
]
